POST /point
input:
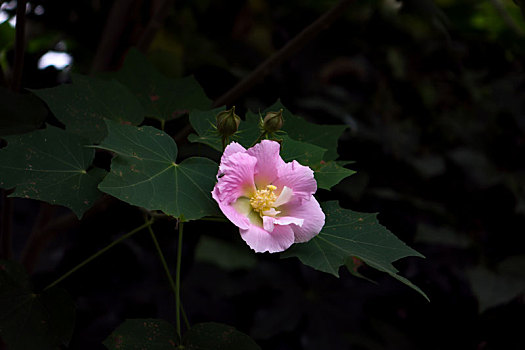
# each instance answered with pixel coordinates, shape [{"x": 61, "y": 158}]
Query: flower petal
[
  {"x": 235, "y": 178},
  {"x": 268, "y": 162},
  {"x": 285, "y": 196},
  {"x": 299, "y": 178},
  {"x": 232, "y": 148},
  {"x": 261, "y": 240},
  {"x": 236, "y": 213},
  {"x": 269, "y": 222},
  {"x": 313, "y": 216}
]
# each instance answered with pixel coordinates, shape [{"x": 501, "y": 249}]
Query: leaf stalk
[{"x": 100, "y": 252}]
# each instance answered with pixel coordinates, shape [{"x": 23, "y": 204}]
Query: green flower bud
[
  {"x": 228, "y": 122},
  {"x": 273, "y": 121}
]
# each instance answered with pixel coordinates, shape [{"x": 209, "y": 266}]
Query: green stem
[
  {"x": 97, "y": 254},
  {"x": 163, "y": 260},
  {"x": 177, "y": 278},
  {"x": 162, "y": 124},
  {"x": 263, "y": 135},
  {"x": 186, "y": 321}
]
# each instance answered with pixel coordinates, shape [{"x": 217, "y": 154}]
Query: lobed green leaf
[
  {"x": 138, "y": 334},
  {"x": 324, "y": 136},
  {"x": 145, "y": 173},
  {"x": 351, "y": 234},
  {"x": 51, "y": 165},
  {"x": 329, "y": 174},
  {"x": 83, "y": 105},
  {"x": 20, "y": 113},
  {"x": 217, "y": 336},
  {"x": 157, "y": 334},
  {"x": 162, "y": 98},
  {"x": 32, "y": 321}
]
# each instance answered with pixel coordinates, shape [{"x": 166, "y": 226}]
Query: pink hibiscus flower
[{"x": 271, "y": 201}]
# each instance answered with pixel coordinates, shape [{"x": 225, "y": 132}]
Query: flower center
[{"x": 263, "y": 200}]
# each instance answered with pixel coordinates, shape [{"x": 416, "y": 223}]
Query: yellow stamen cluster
[{"x": 263, "y": 200}]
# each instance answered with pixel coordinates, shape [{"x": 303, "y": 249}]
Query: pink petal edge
[
  {"x": 268, "y": 161},
  {"x": 235, "y": 177},
  {"x": 261, "y": 240},
  {"x": 299, "y": 178},
  {"x": 313, "y": 216}
]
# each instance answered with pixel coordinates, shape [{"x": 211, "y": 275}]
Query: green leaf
[
  {"x": 157, "y": 334},
  {"x": 32, "y": 321},
  {"x": 50, "y": 165},
  {"x": 329, "y": 174},
  {"x": 162, "y": 98},
  {"x": 83, "y": 105},
  {"x": 7, "y": 36},
  {"x": 138, "y": 334},
  {"x": 304, "y": 153},
  {"x": 145, "y": 173},
  {"x": 353, "y": 264},
  {"x": 346, "y": 234},
  {"x": 203, "y": 122},
  {"x": 249, "y": 130},
  {"x": 216, "y": 336},
  {"x": 20, "y": 113},
  {"x": 324, "y": 136}
]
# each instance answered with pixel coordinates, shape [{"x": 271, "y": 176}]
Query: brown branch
[
  {"x": 113, "y": 30},
  {"x": 298, "y": 42},
  {"x": 6, "y": 224},
  {"x": 18, "y": 67},
  {"x": 154, "y": 24}
]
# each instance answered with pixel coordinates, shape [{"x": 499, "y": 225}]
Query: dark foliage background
[{"x": 433, "y": 93}]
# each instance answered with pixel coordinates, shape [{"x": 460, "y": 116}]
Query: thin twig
[
  {"x": 97, "y": 254},
  {"x": 113, "y": 30},
  {"x": 299, "y": 41},
  {"x": 154, "y": 24},
  {"x": 177, "y": 280},
  {"x": 162, "y": 260},
  {"x": 16, "y": 81}
]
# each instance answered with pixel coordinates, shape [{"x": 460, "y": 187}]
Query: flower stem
[
  {"x": 163, "y": 260},
  {"x": 186, "y": 321},
  {"x": 262, "y": 136},
  {"x": 177, "y": 278},
  {"x": 100, "y": 252}
]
